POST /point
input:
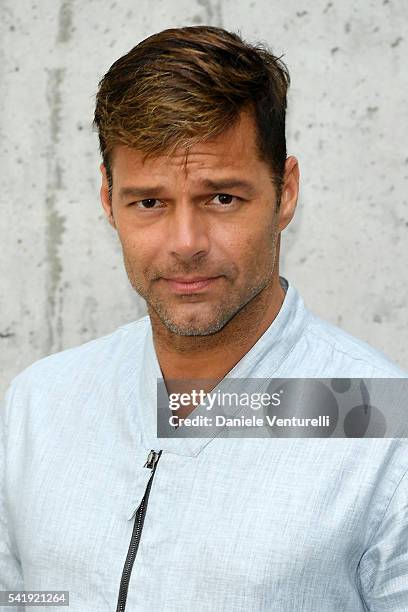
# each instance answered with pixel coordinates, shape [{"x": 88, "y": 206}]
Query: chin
[
  {"x": 203, "y": 322},
  {"x": 185, "y": 329}
]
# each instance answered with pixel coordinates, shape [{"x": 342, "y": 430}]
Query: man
[{"x": 197, "y": 184}]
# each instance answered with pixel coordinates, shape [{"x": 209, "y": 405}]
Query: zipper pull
[{"x": 152, "y": 459}]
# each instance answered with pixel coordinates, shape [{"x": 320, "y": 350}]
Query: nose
[{"x": 188, "y": 236}]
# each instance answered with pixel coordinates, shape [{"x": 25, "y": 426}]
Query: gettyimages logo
[
  {"x": 291, "y": 407},
  {"x": 340, "y": 405}
]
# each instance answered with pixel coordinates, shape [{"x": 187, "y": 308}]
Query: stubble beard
[{"x": 223, "y": 312}]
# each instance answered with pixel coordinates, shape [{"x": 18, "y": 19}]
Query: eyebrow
[{"x": 214, "y": 186}]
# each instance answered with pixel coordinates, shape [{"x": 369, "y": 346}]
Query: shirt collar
[{"x": 261, "y": 361}]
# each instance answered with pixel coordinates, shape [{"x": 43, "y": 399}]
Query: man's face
[{"x": 198, "y": 235}]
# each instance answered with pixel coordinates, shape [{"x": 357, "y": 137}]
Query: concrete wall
[{"x": 62, "y": 278}]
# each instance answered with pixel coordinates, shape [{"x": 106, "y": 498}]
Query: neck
[{"x": 213, "y": 356}]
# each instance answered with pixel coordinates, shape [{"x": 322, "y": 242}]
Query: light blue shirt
[{"x": 231, "y": 524}]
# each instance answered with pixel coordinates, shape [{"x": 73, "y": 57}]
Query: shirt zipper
[{"x": 151, "y": 463}]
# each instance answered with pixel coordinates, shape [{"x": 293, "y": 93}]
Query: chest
[{"x": 244, "y": 519}]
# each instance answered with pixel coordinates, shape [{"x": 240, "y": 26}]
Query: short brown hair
[{"x": 183, "y": 85}]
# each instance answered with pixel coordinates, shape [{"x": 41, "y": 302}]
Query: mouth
[{"x": 185, "y": 285}]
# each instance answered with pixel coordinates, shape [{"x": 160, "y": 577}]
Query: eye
[
  {"x": 225, "y": 199},
  {"x": 146, "y": 204}
]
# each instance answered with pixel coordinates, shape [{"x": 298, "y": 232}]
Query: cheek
[
  {"x": 252, "y": 240},
  {"x": 258, "y": 250},
  {"x": 139, "y": 247}
]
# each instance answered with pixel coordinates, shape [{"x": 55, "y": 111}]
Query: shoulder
[
  {"x": 342, "y": 352},
  {"x": 98, "y": 355}
]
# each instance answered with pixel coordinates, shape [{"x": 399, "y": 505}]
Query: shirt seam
[
  {"x": 350, "y": 355},
  {"x": 376, "y": 530},
  {"x": 303, "y": 330}
]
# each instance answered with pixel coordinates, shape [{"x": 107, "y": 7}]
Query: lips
[{"x": 191, "y": 285}]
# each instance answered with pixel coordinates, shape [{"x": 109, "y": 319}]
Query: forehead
[{"x": 235, "y": 148}]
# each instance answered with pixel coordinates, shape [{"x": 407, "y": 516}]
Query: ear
[
  {"x": 105, "y": 196},
  {"x": 290, "y": 192}
]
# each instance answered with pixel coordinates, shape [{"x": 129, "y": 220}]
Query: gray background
[{"x": 62, "y": 277}]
